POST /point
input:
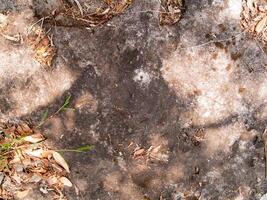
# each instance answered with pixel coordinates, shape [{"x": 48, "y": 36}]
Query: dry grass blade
[{"x": 79, "y": 6}]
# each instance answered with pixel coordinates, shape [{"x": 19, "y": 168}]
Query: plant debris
[
  {"x": 171, "y": 12},
  {"x": 25, "y": 159},
  {"x": 42, "y": 45},
  {"x": 78, "y": 14},
  {"x": 254, "y": 18},
  {"x": 36, "y": 37},
  {"x": 152, "y": 154}
]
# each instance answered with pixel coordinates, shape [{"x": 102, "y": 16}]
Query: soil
[{"x": 196, "y": 89}]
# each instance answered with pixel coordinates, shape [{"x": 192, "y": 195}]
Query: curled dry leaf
[
  {"x": 66, "y": 182},
  {"x": 35, "y": 138},
  {"x": 261, "y": 24},
  {"x": 61, "y": 161}
]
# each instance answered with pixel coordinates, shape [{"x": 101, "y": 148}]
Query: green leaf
[
  {"x": 44, "y": 118},
  {"x": 5, "y": 146},
  {"x": 85, "y": 148},
  {"x": 65, "y": 105}
]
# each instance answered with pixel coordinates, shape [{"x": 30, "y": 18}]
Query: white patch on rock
[
  {"x": 142, "y": 77},
  {"x": 231, "y": 10},
  {"x": 197, "y": 73}
]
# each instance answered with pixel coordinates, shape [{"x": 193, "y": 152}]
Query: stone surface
[{"x": 134, "y": 82}]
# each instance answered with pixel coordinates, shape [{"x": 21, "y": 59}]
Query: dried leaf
[
  {"x": 35, "y": 179},
  {"x": 3, "y": 20},
  {"x": 52, "y": 180},
  {"x": 16, "y": 178},
  {"x": 139, "y": 152},
  {"x": 26, "y": 128},
  {"x": 61, "y": 161},
  {"x": 22, "y": 194},
  {"x": 156, "y": 150},
  {"x": 39, "y": 153},
  {"x": 261, "y": 25},
  {"x": 35, "y": 138},
  {"x": 65, "y": 181},
  {"x": 250, "y": 4}
]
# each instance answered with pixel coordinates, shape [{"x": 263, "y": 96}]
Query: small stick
[{"x": 79, "y": 6}]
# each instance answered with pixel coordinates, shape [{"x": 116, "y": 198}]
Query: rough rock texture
[{"x": 134, "y": 82}]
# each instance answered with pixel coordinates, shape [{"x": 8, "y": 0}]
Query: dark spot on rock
[
  {"x": 4, "y": 105},
  {"x": 222, "y": 27},
  {"x": 235, "y": 56},
  {"x": 197, "y": 170},
  {"x": 241, "y": 90},
  {"x": 142, "y": 179},
  {"x": 257, "y": 142},
  {"x": 144, "y": 17},
  {"x": 130, "y": 59},
  {"x": 219, "y": 45},
  {"x": 233, "y": 41},
  {"x": 250, "y": 162},
  {"x": 228, "y": 67},
  {"x": 208, "y": 36},
  {"x": 215, "y": 55},
  {"x": 197, "y": 92}
]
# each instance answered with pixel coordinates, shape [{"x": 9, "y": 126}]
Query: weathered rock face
[{"x": 195, "y": 91}]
